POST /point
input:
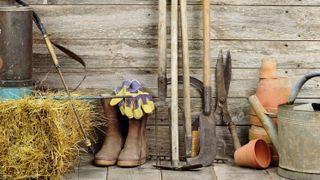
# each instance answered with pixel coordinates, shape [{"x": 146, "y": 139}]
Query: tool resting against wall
[{"x": 55, "y": 61}]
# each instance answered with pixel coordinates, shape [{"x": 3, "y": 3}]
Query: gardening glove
[
  {"x": 121, "y": 91},
  {"x": 135, "y": 106},
  {"x": 137, "y": 112},
  {"x": 146, "y": 102}
]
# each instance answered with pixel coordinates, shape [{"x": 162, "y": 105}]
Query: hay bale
[{"x": 40, "y": 138}]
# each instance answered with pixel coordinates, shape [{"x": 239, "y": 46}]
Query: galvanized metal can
[
  {"x": 15, "y": 47},
  {"x": 299, "y": 143}
]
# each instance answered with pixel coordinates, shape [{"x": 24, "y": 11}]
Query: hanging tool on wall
[{"x": 50, "y": 48}]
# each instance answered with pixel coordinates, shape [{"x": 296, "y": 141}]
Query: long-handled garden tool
[
  {"x": 175, "y": 162},
  {"x": 162, "y": 106},
  {"x": 208, "y": 139},
  {"x": 54, "y": 58},
  {"x": 186, "y": 78}
]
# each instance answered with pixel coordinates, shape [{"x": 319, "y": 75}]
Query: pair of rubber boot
[{"x": 129, "y": 151}]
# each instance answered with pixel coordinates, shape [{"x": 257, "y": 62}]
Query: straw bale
[{"x": 39, "y": 138}]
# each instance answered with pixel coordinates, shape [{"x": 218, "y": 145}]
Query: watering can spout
[{"x": 266, "y": 120}]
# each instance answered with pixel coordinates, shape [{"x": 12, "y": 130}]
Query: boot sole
[
  {"x": 104, "y": 163},
  {"x": 130, "y": 163}
]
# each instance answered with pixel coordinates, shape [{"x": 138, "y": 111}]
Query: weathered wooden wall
[{"x": 118, "y": 40}]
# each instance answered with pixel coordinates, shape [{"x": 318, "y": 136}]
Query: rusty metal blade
[
  {"x": 208, "y": 141},
  {"x": 227, "y": 73},
  {"x": 220, "y": 83}
]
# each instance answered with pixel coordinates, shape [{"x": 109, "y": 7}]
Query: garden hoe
[
  {"x": 161, "y": 106},
  {"x": 175, "y": 163}
]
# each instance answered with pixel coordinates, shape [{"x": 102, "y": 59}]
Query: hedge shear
[{"x": 223, "y": 79}]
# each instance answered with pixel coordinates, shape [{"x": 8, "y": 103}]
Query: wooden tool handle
[
  {"x": 234, "y": 135},
  {"x": 195, "y": 143},
  {"x": 162, "y": 47},
  {"x": 186, "y": 77},
  {"x": 206, "y": 57},
  {"x": 206, "y": 43},
  {"x": 174, "y": 84}
]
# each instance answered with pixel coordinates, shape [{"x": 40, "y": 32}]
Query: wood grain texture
[
  {"x": 243, "y": 84},
  {"x": 230, "y": 171},
  {"x": 163, "y": 144},
  {"x": 140, "y": 22},
  {"x": 215, "y": 2},
  {"x": 144, "y": 172},
  {"x": 118, "y": 40},
  {"x": 133, "y": 53},
  {"x": 205, "y": 173}
]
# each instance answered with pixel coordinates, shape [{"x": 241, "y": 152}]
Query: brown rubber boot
[
  {"x": 108, "y": 154},
  {"x": 135, "y": 149}
]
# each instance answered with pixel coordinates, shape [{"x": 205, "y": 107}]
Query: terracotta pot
[
  {"x": 273, "y": 92},
  {"x": 254, "y": 120},
  {"x": 256, "y": 132},
  {"x": 268, "y": 68},
  {"x": 255, "y": 154}
]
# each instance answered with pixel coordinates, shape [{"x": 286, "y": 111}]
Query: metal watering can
[{"x": 297, "y": 139}]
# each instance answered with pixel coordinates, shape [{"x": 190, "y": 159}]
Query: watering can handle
[{"x": 295, "y": 90}]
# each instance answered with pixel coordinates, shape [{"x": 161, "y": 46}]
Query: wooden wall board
[
  {"x": 164, "y": 140},
  {"x": 140, "y": 22},
  {"x": 117, "y": 39},
  {"x": 239, "y": 109},
  {"x": 243, "y": 84},
  {"x": 99, "y": 54},
  {"x": 215, "y": 2}
]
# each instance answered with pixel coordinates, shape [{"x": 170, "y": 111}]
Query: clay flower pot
[
  {"x": 268, "y": 68},
  {"x": 273, "y": 92},
  {"x": 255, "y": 154}
]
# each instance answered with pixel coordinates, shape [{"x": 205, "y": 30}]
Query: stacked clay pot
[{"x": 271, "y": 91}]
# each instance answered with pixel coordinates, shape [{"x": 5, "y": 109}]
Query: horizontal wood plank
[
  {"x": 243, "y": 84},
  {"x": 215, "y": 2},
  {"x": 140, "y": 22},
  {"x": 100, "y": 54},
  {"x": 163, "y": 139},
  {"x": 144, "y": 172},
  {"x": 205, "y": 173}
]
